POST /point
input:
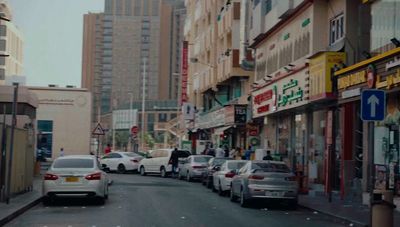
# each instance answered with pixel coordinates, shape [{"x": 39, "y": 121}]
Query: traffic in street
[{"x": 136, "y": 200}]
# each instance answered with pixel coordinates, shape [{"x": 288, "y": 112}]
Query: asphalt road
[{"x": 153, "y": 201}]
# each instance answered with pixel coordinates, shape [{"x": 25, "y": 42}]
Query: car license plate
[
  {"x": 272, "y": 193},
  {"x": 72, "y": 179}
]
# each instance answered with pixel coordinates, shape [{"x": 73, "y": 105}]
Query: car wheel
[
  {"x": 188, "y": 178},
  {"x": 142, "y": 171},
  {"x": 232, "y": 195},
  {"x": 209, "y": 183},
  {"x": 243, "y": 201},
  {"x": 106, "y": 192},
  {"x": 203, "y": 181},
  {"x": 163, "y": 172},
  {"x": 292, "y": 204},
  {"x": 180, "y": 177},
  {"x": 121, "y": 168},
  {"x": 101, "y": 200},
  {"x": 220, "y": 192},
  {"x": 47, "y": 200}
]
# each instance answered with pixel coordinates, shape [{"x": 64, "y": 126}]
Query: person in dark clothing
[
  {"x": 268, "y": 156},
  {"x": 226, "y": 151},
  {"x": 174, "y": 161}
]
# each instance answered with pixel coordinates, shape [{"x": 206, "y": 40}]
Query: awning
[{"x": 220, "y": 130}]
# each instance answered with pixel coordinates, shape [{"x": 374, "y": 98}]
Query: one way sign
[{"x": 373, "y": 105}]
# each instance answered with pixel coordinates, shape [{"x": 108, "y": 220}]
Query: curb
[
  {"x": 348, "y": 220},
  {"x": 19, "y": 211}
]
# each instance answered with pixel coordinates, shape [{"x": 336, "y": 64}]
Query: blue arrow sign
[{"x": 373, "y": 105}]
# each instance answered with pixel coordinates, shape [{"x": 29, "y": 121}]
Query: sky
[{"x": 52, "y": 32}]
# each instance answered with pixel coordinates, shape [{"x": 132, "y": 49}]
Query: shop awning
[{"x": 220, "y": 130}]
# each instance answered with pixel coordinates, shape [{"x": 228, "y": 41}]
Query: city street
[{"x": 153, "y": 201}]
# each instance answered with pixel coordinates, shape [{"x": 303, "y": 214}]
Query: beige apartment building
[
  {"x": 218, "y": 86},
  {"x": 11, "y": 45}
]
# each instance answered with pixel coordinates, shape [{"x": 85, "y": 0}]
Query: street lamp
[
  {"x": 130, "y": 119},
  {"x": 143, "y": 102}
]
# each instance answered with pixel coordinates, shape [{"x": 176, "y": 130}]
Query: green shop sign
[{"x": 294, "y": 95}]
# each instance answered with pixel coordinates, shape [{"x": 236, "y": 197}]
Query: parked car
[
  {"x": 121, "y": 161},
  {"x": 75, "y": 176},
  {"x": 207, "y": 178},
  {"x": 157, "y": 161},
  {"x": 222, "y": 178},
  {"x": 264, "y": 180},
  {"x": 193, "y": 167}
]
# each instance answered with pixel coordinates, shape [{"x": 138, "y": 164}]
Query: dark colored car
[{"x": 213, "y": 165}]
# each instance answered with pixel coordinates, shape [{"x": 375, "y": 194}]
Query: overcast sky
[{"x": 53, "y": 38}]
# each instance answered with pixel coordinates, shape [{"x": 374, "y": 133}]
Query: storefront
[
  {"x": 282, "y": 105},
  {"x": 323, "y": 157},
  {"x": 379, "y": 72}
]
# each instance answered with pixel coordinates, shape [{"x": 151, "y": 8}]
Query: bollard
[{"x": 382, "y": 209}]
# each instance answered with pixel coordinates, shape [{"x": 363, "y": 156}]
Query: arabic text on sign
[
  {"x": 263, "y": 109},
  {"x": 352, "y": 79},
  {"x": 391, "y": 80},
  {"x": 265, "y": 96}
]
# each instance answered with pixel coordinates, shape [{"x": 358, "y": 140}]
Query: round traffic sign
[{"x": 134, "y": 130}]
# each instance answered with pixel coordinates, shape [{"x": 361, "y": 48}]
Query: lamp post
[
  {"x": 130, "y": 121},
  {"x": 143, "y": 102}
]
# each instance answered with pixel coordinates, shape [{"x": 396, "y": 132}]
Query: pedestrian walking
[
  {"x": 62, "y": 152},
  {"x": 268, "y": 156},
  {"x": 107, "y": 149},
  {"x": 174, "y": 161},
  {"x": 232, "y": 153},
  {"x": 247, "y": 153},
  {"x": 219, "y": 153}
]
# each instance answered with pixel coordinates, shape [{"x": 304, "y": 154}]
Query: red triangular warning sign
[{"x": 98, "y": 130}]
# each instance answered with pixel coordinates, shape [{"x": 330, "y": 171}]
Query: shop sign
[
  {"x": 351, "y": 93},
  {"x": 291, "y": 91},
  {"x": 184, "y": 73},
  {"x": 211, "y": 120},
  {"x": 235, "y": 114},
  {"x": 352, "y": 79},
  {"x": 262, "y": 101},
  {"x": 253, "y": 130},
  {"x": 391, "y": 80},
  {"x": 320, "y": 73}
]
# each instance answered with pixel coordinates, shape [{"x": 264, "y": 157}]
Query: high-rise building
[
  {"x": 11, "y": 45},
  {"x": 92, "y": 58}
]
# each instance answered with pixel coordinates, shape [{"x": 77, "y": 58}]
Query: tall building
[
  {"x": 92, "y": 51},
  {"x": 11, "y": 45}
]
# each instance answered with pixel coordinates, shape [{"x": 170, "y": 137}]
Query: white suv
[{"x": 158, "y": 161}]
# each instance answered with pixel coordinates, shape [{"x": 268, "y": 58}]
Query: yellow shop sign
[
  {"x": 392, "y": 80},
  {"x": 352, "y": 79}
]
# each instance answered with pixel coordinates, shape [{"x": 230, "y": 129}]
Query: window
[
  {"x": 137, "y": 7},
  {"x": 74, "y": 163},
  {"x": 162, "y": 117},
  {"x": 154, "y": 6},
  {"x": 336, "y": 32},
  {"x": 268, "y": 6},
  {"x": 108, "y": 6},
  {"x": 128, "y": 7}
]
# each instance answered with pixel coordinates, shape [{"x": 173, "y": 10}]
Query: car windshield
[
  {"x": 201, "y": 159},
  {"x": 270, "y": 167},
  {"x": 219, "y": 161},
  {"x": 236, "y": 165},
  {"x": 74, "y": 163}
]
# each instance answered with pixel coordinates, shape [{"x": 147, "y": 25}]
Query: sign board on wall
[
  {"x": 184, "y": 75},
  {"x": 320, "y": 73},
  {"x": 235, "y": 114},
  {"x": 288, "y": 92}
]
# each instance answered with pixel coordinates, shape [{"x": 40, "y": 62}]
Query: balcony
[
  {"x": 229, "y": 67},
  {"x": 227, "y": 17}
]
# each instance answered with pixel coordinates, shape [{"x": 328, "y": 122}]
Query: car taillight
[
  {"x": 229, "y": 175},
  {"x": 49, "y": 176},
  {"x": 256, "y": 177},
  {"x": 198, "y": 167},
  {"x": 94, "y": 176},
  {"x": 134, "y": 160},
  {"x": 292, "y": 178}
]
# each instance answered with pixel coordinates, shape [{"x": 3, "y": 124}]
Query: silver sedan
[
  {"x": 194, "y": 167},
  {"x": 75, "y": 176},
  {"x": 264, "y": 180}
]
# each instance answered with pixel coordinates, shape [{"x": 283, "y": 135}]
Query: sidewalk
[
  {"x": 353, "y": 212},
  {"x": 20, "y": 203}
]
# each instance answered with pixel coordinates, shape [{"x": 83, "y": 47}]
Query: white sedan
[
  {"x": 121, "y": 161},
  {"x": 75, "y": 176},
  {"x": 223, "y": 177}
]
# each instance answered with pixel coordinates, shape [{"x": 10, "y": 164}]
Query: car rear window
[
  {"x": 270, "y": 167},
  {"x": 183, "y": 154},
  {"x": 74, "y": 163},
  {"x": 236, "y": 165},
  {"x": 130, "y": 154},
  {"x": 201, "y": 159}
]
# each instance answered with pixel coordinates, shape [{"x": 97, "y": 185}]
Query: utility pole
[
  {"x": 143, "y": 102},
  {"x": 13, "y": 124}
]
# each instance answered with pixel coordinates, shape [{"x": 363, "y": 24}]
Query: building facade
[
  {"x": 11, "y": 45},
  {"x": 63, "y": 112},
  {"x": 92, "y": 51}
]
